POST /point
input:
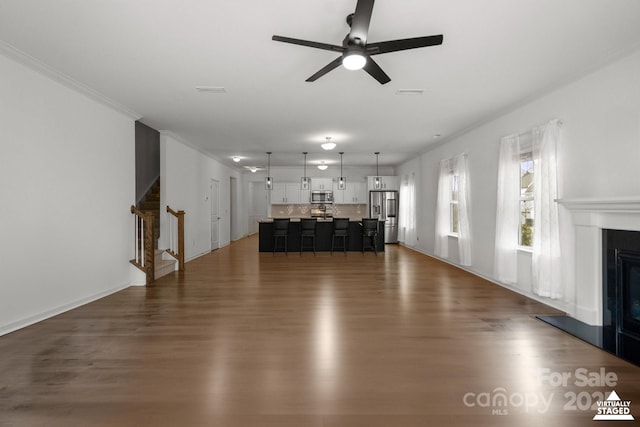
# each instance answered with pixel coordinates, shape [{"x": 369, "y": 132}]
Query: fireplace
[{"x": 621, "y": 293}]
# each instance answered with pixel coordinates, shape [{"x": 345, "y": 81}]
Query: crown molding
[{"x": 35, "y": 64}]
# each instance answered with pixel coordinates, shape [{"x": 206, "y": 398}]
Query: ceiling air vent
[
  {"x": 211, "y": 89},
  {"x": 410, "y": 92}
]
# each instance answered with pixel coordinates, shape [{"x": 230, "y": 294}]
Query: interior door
[{"x": 215, "y": 214}]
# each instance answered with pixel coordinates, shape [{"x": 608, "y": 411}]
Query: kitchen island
[{"x": 324, "y": 231}]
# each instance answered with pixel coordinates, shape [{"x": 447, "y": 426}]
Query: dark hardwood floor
[{"x": 250, "y": 339}]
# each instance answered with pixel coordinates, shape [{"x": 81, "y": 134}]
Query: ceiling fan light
[{"x": 354, "y": 60}]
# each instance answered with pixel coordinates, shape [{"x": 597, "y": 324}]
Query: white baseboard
[
  {"x": 27, "y": 321},
  {"x": 588, "y": 316},
  {"x": 558, "y": 305}
]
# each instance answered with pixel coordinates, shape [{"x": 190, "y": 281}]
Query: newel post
[
  {"x": 149, "y": 255},
  {"x": 181, "y": 240}
]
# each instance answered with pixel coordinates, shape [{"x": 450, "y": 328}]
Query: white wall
[
  {"x": 185, "y": 185},
  {"x": 599, "y": 156},
  {"x": 66, "y": 185}
]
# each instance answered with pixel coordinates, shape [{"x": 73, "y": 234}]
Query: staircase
[
  {"x": 163, "y": 266},
  {"x": 150, "y": 203}
]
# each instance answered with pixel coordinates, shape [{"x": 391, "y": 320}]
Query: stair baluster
[
  {"x": 144, "y": 257},
  {"x": 176, "y": 227}
]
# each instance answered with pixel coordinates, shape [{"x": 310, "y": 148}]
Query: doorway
[
  {"x": 215, "y": 214},
  {"x": 233, "y": 203}
]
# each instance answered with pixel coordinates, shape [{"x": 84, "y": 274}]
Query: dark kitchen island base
[{"x": 324, "y": 231}]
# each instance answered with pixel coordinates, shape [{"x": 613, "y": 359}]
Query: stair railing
[
  {"x": 176, "y": 236},
  {"x": 144, "y": 257}
]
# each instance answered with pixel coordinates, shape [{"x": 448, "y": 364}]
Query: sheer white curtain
[
  {"x": 461, "y": 170},
  {"x": 456, "y": 166},
  {"x": 505, "y": 265},
  {"x": 408, "y": 210},
  {"x": 443, "y": 203},
  {"x": 546, "y": 271}
]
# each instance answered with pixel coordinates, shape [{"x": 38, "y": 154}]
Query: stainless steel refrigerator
[{"x": 384, "y": 206}]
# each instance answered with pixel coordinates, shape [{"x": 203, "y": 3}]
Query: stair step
[
  {"x": 158, "y": 255},
  {"x": 165, "y": 267}
]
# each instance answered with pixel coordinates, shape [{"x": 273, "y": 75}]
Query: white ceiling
[{"x": 150, "y": 55}]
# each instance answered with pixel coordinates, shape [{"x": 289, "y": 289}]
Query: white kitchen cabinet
[
  {"x": 285, "y": 193},
  {"x": 354, "y": 193},
  {"x": 360, "y": 194},
  {"x": 321, "y": 184},
  {"x": 386, "y": 183}
]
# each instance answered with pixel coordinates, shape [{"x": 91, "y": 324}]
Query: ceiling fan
[{"x": 356, "y": 52}]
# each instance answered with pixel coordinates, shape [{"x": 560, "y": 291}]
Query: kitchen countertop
[{"x": 319, "y": 219}]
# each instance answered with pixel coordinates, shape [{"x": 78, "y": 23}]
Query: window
[
  {"x": 525, "y": 237},
  {"x": 526, "y": 209},
  {"x": 453, "y": 205}
]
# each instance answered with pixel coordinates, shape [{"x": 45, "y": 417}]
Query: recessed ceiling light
[
  {"x": 211, "y": 89},
  {"x": 236, "y": 159},
  {"x": 328, "y": 145},
  {"x": 409, "y": 91}
]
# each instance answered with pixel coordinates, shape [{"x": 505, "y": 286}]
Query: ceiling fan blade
[
  {"x": 403, "y": 44},
  {"x": 330, "y": 66},
  {"x": 376, "y": 72},
  {"x": 360, "y": 21},
  {"x": 323, "y": 46}
]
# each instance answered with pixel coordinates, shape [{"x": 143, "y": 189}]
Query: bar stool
[
  {"x": 369, "y": 233},
  {"x": 308, "y": 230},
  {"x": 341, "y": 231},
  {"x": 280, "y": 231}
]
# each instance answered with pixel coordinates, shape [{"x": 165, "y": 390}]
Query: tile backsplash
[{"x": 304, "y": 211}]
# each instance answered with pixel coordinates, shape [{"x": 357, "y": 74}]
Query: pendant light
[
  {"x": 342, "y": 181},
  {"x": 268, "y": 181},
  {"x": 377, "y": 180},
  {"x": 304, "y": 181}
]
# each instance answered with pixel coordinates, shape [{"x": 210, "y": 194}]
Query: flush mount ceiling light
[
  {"x": 328, "y": 145},
  {"x": 322, "y": 166},
  {"x": 236, "y": 159},
  {"x": 253, "y": 169}
]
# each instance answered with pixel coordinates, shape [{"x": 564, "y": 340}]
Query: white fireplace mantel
[
  {"x": 613, "y": 205},
  {"x": 590, "y": 217}
]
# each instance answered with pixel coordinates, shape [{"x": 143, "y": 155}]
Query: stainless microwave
[{"x": 322, "y": 197}]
